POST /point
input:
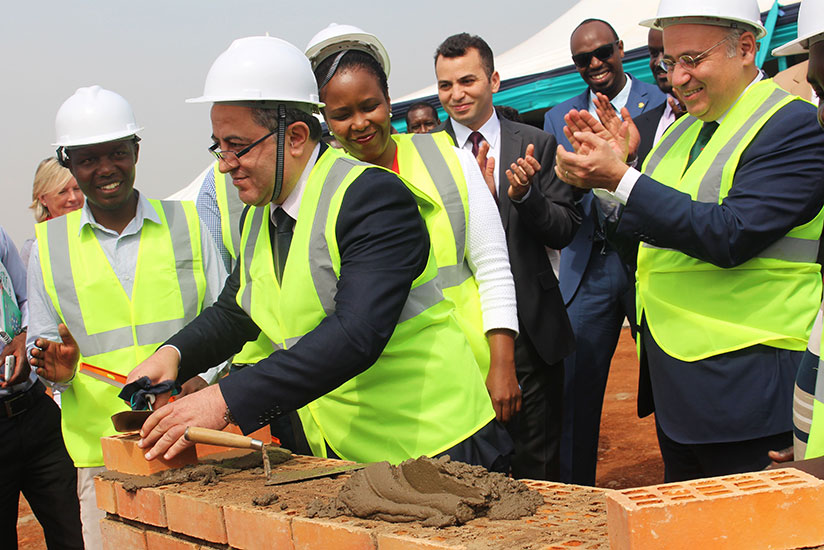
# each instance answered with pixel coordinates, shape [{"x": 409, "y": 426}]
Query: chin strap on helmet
[{"x": 281, "y": 145}]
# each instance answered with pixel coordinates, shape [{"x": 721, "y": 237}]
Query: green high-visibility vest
[
  {"x": 429, "y": 163},
  {"x": 231, "y": 210},
  {"x": 115, "y": 331},
  {"x": 422, "y": 396},
  {"x": 695, "y": 309}
]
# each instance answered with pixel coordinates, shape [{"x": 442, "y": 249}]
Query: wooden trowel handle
[{"x": 224, "y": 439}]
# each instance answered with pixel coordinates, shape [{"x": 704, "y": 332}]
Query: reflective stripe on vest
[
  {"x": 111, "y": 340},
  {"x": 695, "y": 309},
  {"x": 789, "y": 249},
  {"x": 450, "y": 275}
]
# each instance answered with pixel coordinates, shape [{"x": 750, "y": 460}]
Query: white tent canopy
[{"x": 549, "y": 48}]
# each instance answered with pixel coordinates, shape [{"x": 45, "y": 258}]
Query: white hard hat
[
  {"x": 261, "y": 68},
  {"x": 708, "y": 12},
  {"x": 810, "y": 24},
  {"x": 94, "y": 115},
  {"x": 336, "y": 38}
]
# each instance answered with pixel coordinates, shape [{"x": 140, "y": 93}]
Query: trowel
[
  {"x": 196, "y": 434},
  {"x": 226, "y": 439}
]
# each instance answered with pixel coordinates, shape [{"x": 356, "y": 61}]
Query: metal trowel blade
[{"x": 130, "y": 421}]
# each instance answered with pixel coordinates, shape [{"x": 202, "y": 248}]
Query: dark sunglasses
[{"x": 603, "y": 53}]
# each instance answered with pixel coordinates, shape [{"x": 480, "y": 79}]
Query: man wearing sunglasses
[
  {"x": 596, "y": 284},
  {"x": 729, "y": 214}
]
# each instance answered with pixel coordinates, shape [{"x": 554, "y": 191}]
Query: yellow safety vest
[
  {"x": 231, "y": 210},
  {"x": 422, "y": 396},
  {"x": 429, "y": 163},
  {"x": 115, "y": 331},
  {"x": 695, "y": 309}
]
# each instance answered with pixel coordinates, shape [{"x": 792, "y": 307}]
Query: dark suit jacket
[
  {"x": 383, "y": 245},
  {"x": 575, "y": 257},
  {"x": 647, "y": 125},
  {"x": 778, "y": 185},
  {"x": 547, "y": 217}
]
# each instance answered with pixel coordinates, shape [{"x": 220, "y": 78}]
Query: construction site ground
[{"x": 628, "y": 451}]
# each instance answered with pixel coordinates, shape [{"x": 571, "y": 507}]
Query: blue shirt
[{"x": 17, "y": 271}]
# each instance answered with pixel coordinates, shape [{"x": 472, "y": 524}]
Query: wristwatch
[{"x": 227, "y": 416}]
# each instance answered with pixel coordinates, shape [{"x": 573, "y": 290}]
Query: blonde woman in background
[{"x": 55, "y": 192}]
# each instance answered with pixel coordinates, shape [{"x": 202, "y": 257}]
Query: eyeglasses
[
  {"x": 688, "y": 62},
  {"x": 227, "y": 155},
  {"x": 603, "y": 53}
]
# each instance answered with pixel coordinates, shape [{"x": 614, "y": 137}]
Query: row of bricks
[
  {"x": 239, "y": 527},
  {"x": 255, "y": 532},
  {"x": 775, "y": 509}
]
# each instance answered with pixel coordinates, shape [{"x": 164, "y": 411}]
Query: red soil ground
[{"x": 627, "y": 456}]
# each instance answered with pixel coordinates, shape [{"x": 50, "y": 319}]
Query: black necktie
[
  {"x": 283, "y": 238},
  {"x": 476, "y": 138},
  {"x": 704, "y": 135}
]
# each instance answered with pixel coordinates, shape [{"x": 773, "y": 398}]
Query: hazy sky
[{"x": 156, "y": 54}]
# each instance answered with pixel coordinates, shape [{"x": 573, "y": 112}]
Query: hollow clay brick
[
  {"x": 400, "y": 542},
  {"x": 768, "y": 509},
  {"x": 162, "y": 541},
  {"x": 195, "y": 517},
  {"x": 121, "y": 454},
  {"x": 106, "y": 499},
  {"x": 144, "y": 505},
  {"x": 312, "y": 534},
  {"x": 119, "y": 536},
  {"x": 254, "y": 529},
  {"x": 264, "y": 434}
]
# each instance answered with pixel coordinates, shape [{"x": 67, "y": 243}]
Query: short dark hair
[
  {"x": 349, "y": 60},
  {"x": 457, "y": 45},
  {"x": 586, "y": 21},
  {"x": 268, "y": 118},
  {"x": 421, "y": 105}
]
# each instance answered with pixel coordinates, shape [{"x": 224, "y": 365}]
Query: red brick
[
  {"x": 400, "y": 542},
  {"x": 251, "y": 529},
  {"x": 195, "y": 517},
  {"x": 312, "y": 534},
  {"x": 119, "y": 536},
  {"x": 121, "y": 454},
  {"x": 162, "y": 541},
  {"x": 104, "y": 490},
  {"x": 264, "y": 434},
  {"x": 144, "y": 505},
  {"x": 769, "y": 509}
]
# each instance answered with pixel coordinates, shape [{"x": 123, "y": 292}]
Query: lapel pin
[{"x": 641, "y": 105}]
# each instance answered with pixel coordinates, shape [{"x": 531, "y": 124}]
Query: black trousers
[
  {"x": 34, "y": 460},
  {"x": 536, "y": 429},
  {"x": 683, "y": 462}
]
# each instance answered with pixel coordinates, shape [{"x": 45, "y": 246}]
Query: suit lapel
[
  {"x": 637, "y": 100},
  {"x": 510, "y": 150}
]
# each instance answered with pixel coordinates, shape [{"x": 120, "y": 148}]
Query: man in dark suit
[
  {"x": 597, "y": 285},
  {"x": 729, "y": 212},
  {"x": 653, "y": 123},
  {"x": 348, "y": 308},
  {"x": 537, "y": 212}
]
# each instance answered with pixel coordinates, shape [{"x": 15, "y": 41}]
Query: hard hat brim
[
  {"x": 105, "y": 138},
  {"x": 797, "y": 46},
  {"x": 657, "y": 23}
]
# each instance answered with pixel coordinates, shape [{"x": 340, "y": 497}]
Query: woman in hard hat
[{"x": 351, "y": 68}]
